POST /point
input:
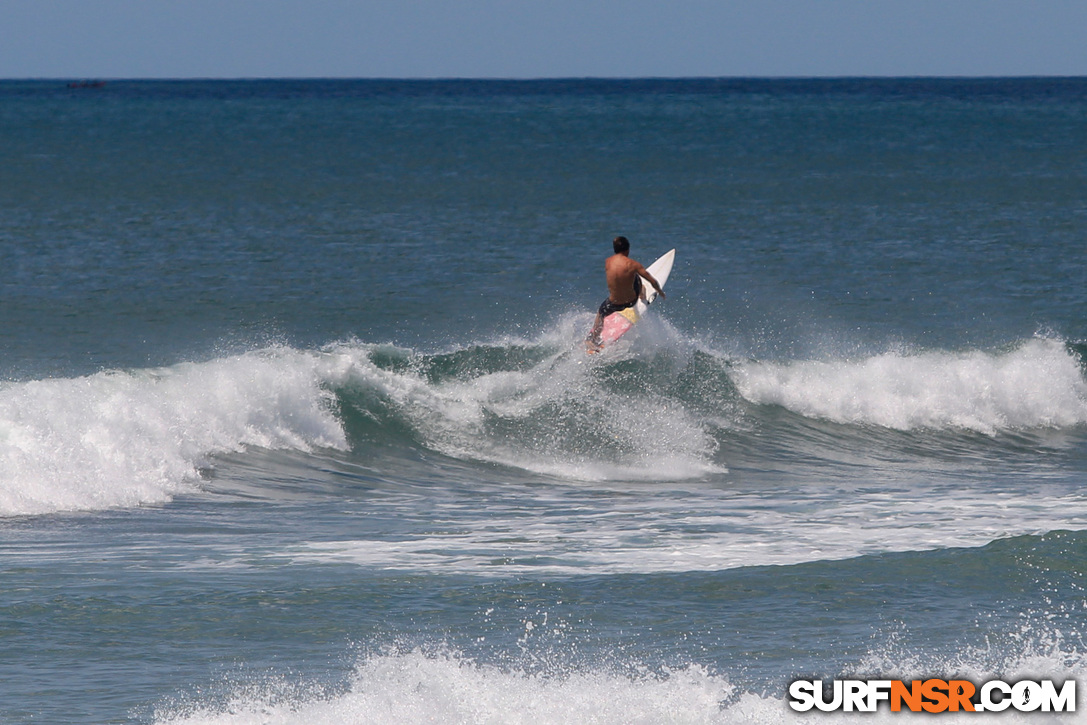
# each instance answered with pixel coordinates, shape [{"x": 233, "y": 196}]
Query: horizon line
[{"x": 514, "y": 79}]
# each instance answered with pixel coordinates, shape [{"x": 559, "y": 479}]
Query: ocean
[{"x": 297, "y": 426}]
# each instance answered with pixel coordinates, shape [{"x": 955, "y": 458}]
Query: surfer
[{"x": 624, "y": 277}]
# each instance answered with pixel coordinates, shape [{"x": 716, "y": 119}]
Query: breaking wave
[
  {"x": 662, "y": 411},
  {"x": 1038, "y": 384}
]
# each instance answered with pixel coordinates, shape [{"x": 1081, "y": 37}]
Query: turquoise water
[{"x": 296, "y": 426}]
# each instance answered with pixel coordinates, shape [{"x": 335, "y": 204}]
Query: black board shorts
[{"x": 607, "y": 307}]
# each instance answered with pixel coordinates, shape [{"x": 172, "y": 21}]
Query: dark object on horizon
[{"x": 86, "y": 84}]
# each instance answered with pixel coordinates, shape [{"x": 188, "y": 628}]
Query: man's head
[{"x": 621, "y": 245}]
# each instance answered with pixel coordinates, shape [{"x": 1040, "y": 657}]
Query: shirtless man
[{"x": 624, "y": 277}]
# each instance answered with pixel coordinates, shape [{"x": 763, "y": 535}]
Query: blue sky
[{"x": 539, "y": 38}]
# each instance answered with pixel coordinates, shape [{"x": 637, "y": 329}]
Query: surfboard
[{"x": 619, "y": 323}]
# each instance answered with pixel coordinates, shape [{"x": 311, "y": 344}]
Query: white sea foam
[
  {"x": 713, "y": 531},
  {"x": 130, "y": 438},
  {"x": 421, "y": 688},
  {"x": 416, "y": 687},
  {"x": 1038, "y": 384}
]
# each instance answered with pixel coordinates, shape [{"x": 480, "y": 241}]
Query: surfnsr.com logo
[{"x": 933, "y": 695}]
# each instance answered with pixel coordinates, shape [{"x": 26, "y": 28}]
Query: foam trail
[
  {"x": 130, "y": 438},
  {"x": 1037, "y": 385}
]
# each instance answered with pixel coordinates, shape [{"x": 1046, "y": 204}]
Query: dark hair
[{"x": 620, "y": 245}]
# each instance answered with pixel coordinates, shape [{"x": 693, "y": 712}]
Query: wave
[
  {"x": 121, "y": 438},
  {"x": 1039, "y": 384},
  {"x": 538, "y": 407},
  {"x": 418, "y": 686},
  {"x": 664, "y": 409},
  {"x": 668, "y": 408}
]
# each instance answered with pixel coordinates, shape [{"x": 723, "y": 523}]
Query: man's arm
[{"x": 645, "y": 273}]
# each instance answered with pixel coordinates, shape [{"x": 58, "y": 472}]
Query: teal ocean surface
[{"x": 296, "y": 425}]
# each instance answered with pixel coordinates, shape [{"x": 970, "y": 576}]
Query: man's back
[
  {"x": 624, "y": 288},
  {"x": 620, "y": 271}
]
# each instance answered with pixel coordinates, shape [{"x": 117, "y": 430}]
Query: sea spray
[
  {"x": 417, "y": 687},
  {"x": 553, "y": 410}
]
